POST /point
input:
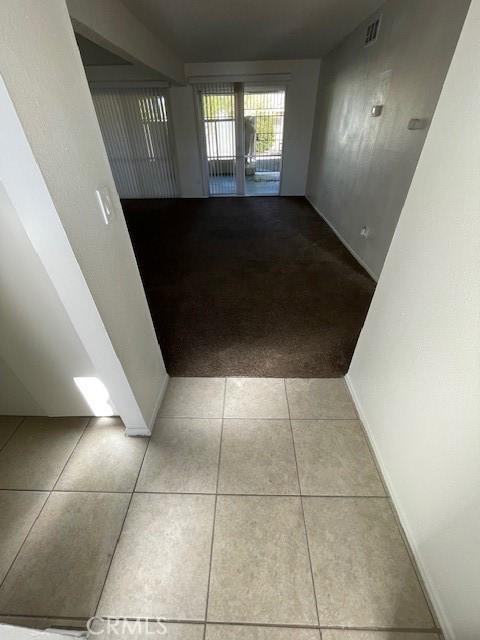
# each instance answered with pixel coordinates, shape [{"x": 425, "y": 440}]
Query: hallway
[
  {"x": 277, "y": 527},
  {"x": 254, "y": 286},
  {"x": 227, "y": 417}
]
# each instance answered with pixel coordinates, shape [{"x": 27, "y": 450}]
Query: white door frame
[
  {"x": 239, "y": 138},
  {"x": 239, "y": 92}
]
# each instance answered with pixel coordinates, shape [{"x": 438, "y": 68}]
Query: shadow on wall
[
  {"x": 361, "y": 166},
  {"x": 38, "y": 343}
]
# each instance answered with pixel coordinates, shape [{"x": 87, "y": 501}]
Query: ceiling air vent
[{"x": 372, "y": 32}]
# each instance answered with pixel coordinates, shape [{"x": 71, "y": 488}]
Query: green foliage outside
[
  {"x": 258, "y": 106},
  {"x": 218, "y": 106}
]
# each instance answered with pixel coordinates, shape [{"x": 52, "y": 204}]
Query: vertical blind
[
  {"x": 135, "y": 129},
  {"x": 218, "y": 114}
]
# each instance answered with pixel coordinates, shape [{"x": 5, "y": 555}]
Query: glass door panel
[
  {"x": 264, "y": 111},
  {"x": 218, "y": 111}
]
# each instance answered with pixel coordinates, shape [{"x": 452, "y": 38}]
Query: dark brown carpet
[{"x": 248, "y": 286}]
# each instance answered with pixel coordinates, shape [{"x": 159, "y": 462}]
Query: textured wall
[
  {"x": 39, "y": 347},
  {"x": 299, "y": 114},
  {"x": 416, "y": 368},
  {"x": 110, "y": 23},
  {"x": 42, "y": 69},
  {"x": 361, "y": 167}
]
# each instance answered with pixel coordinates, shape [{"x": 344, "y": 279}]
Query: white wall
[
  {"x": 41, "y": 66},
  {"x": 361, "y": 167},
  {"x": 122, "y": 74},
  {"x": 299, "y": 113},
  {"x": 110, "y": 24},
  {"x": 44, "y": 348},
  {"x": 40, "y": 349},
  {"x": 416, "y": 369},
  {"x": 188, "y": 156},
  {"x": 15, "y": 398},
  {"x": 300, "y": 107}
]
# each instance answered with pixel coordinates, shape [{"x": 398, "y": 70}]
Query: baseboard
[
  {"x": 137, "y": 432},
  {"x": 147, "y": 431},
  {"x": 434, "y": 602},
  {"x": 156, "y": 409},
  {"x": 343, "y": 241}
]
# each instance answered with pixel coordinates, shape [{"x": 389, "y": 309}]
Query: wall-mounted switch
[
  {"x": 376, "y": 110},
  {"x": 416, "y": 124},
  {"x": 105, "y": 204}
]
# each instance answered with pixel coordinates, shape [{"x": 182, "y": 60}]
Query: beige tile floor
[{"x": 255, "y": 507}]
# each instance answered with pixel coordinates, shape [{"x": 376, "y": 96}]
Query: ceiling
[{"x": 227, "y": 30}]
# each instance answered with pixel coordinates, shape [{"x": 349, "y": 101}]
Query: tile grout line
[
  {"x": 400, "y": 528},
  {"x": 214, "y": 417},
  {"x": 23, "y": 418},
  {"x": 373, "y": 456},
  {"x": 202, "y": 493},
  {"x": 49, "y": 491},
  {"x": 248, "y": 495},
  {"x": 215, "y": 508},
  {"x": 433, "y": 629},
  {"x": 413, "y": 562},
  {"x": 24, "y": 540},
  {"x": 132, "y": 493},
  {"x": 37, "y": 617},
  {"x": 406, "y": 630},
  {"x": 326, "y": 627},
  {"x": 71, "y": 454},
  {"x": 303, "y": 510}
]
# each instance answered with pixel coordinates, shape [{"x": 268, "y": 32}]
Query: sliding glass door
[{"x": 242, "y": 137}]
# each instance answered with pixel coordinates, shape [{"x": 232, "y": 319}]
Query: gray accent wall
[{"x": 361, "y": 166}]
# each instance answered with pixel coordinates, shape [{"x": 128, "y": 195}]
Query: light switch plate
[{"x": 105, "y": 204}]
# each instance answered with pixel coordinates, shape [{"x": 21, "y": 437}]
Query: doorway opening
[{"x": 242, "y": 138}]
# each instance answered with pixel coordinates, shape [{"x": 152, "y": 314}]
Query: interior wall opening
[{"x": 236, "y": 285}]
